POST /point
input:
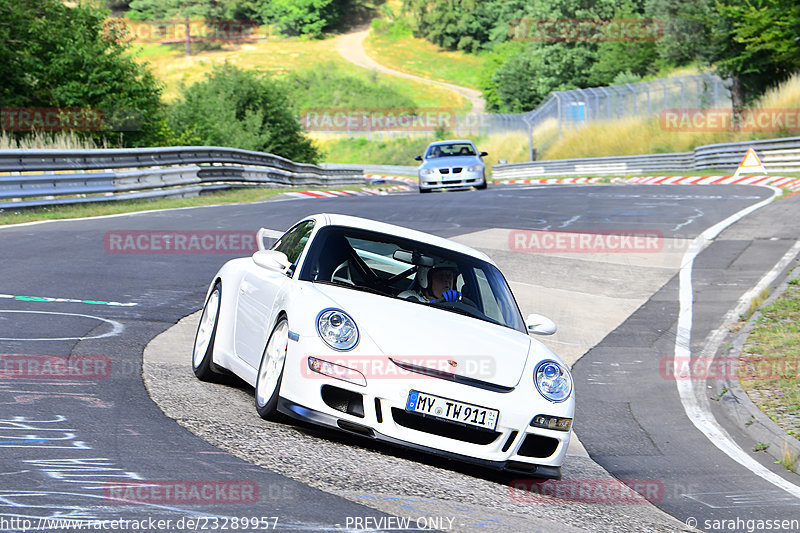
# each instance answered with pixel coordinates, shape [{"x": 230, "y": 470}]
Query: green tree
[
  {"x": 755, "y": 43},
  {"x": 686, "y": 36},
  {"x": 633, "y": 58},
  {"x": 303, "y": 17},
  {"x": 55, "y": 56},
  {"x": 240, "y": 109},
  {"x": 526, "y": 78},
  {"x": 468, "y": 25}
]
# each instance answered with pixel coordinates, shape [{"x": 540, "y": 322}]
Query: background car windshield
[
  {"x": 450, "y": 150},
  {"x": 364, "y": 260}
]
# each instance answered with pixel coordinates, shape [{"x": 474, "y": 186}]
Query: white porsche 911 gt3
[{"x": 392, "y": 334}]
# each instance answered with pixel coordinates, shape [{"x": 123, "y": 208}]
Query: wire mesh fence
[{"x": 569, "y": 109}]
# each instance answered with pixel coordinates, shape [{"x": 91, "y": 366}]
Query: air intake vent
[{"x": 343, "y": 400}]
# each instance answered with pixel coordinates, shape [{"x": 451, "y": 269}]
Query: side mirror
[
  {"x": 418, "y": 158},
  {"x": 272, "y": 259},
  {"x": 265, "y": 233},
  {"x": 540, "y": 325},
  {"x": 484, "y": 154}
]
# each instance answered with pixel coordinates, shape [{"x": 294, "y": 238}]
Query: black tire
[
  {"x": 423, "y": 191},
  {"x": 203, "y": 356},
  {"x": 267, "y": 407},
  {"x": 482, "y": 186}
]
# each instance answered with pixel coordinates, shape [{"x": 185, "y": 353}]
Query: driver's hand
[{"x": 451, "y": 296}]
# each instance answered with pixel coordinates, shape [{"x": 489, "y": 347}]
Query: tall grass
[
  {"x": 512, "y": 147},
  {"x": 49, "y": 141},
  {"x": 643, "y": 135},
  {"x": 388, "y": 151}
]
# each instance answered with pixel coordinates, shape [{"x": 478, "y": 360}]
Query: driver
[{"x": 434, "y": 283}]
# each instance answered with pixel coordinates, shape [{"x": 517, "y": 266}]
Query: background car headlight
[
  {"x": 553, "y": 381},
  {"x": 475, "y": 168},
  {"x": 337, "y": 329},
  {"x": 426, "y": 171}
]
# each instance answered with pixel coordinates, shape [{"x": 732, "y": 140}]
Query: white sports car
[{"x": 392, "y": 334}]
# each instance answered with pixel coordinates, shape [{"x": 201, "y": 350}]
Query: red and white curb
[
  {"x": 382, "y": 177},
  {"x": 362, "y": 192},
  {"x": 790, "y": 183}
]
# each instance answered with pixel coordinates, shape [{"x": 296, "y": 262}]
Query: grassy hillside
[
  {"x": 279, "y": 56},
  {"x": 393, "y": 45}
]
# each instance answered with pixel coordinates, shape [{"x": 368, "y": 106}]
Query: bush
[
  {"x": 327, "y": 86},
  {"x": 240, "y": 109},
  {"x": 55, "y": 56}
]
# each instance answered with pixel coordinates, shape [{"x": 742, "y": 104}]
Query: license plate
[{"x": 465, "y": 413}]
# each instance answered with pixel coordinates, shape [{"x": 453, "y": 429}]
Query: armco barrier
[
  {"x": 46, "y": 177},
  {"x": 777, "y": 155}
]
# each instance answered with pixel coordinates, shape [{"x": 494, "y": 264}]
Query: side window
[
  {"x": 293, "y": 241},
  {"x": 490, "y": 306}
]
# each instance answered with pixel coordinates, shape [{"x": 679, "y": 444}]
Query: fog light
[{"x": 552, "y": 422}]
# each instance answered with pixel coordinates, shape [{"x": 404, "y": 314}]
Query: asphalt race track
[{"x": 74, "y": 441}]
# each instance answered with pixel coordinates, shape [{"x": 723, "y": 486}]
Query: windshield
[
  {"x": 393, "y": 267},
  {"x": 450, "y": 150}
]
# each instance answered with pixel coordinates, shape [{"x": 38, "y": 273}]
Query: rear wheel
[
  {"x": 203, "y": 351},
  {"x": 270, "y": 371}
]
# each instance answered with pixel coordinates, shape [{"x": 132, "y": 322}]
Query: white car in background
[
  {"x": 451, "y": 164},
  {"x": 329, "y": 327}
]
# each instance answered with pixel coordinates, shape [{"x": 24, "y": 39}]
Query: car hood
[
  {"x": 458, "y": 161},
  {"x": 433, "y": 338}
]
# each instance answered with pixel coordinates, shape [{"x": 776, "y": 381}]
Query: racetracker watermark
[
  {"x": 605, "y": 241},
  {"x": 585, "y": 30},
  {"x": 52, "y": 367},
  {"x": 50, "y": 119},
  {"x": 191, "y": 492},
  {"x": 377, "y": 119},
  {"x": 753, "y": 368},
  {"x": 174, "y": 31},
  {"x": 587, "y": 490},
  {"x": 180, "y": 242},
  {"x": 360, "y": 367},
  {"x": 745, "y": 120}
]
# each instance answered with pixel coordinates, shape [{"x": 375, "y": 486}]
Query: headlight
[
  {"x": 337, "y": 329},
  {"x": 426, "y": 171},
  {"x": 553, "y": 381},
  {"x": 475, "y": 168}
]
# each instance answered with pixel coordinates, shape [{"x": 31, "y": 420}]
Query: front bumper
[
  {"x": 451, "y": 181},
  {"x": 377, "y": 411},
  {"x": 299, "y": 412}
]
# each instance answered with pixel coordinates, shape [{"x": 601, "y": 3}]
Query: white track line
[{"x": 701, "y": 417}]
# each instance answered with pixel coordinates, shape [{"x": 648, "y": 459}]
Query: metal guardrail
[
  {"x": 376, "y": 169},
  {"x": 777, "y": 155},
  {"x": 46, "y": 177}
]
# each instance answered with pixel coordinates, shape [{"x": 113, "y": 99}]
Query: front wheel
[
  {"x": 203, "y": 351},
  {"x": 482, "y": 185},
  {"x": 270, "y": 371}
]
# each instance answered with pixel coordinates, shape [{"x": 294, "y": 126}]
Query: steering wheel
[{"x": 463, "y": 300}]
